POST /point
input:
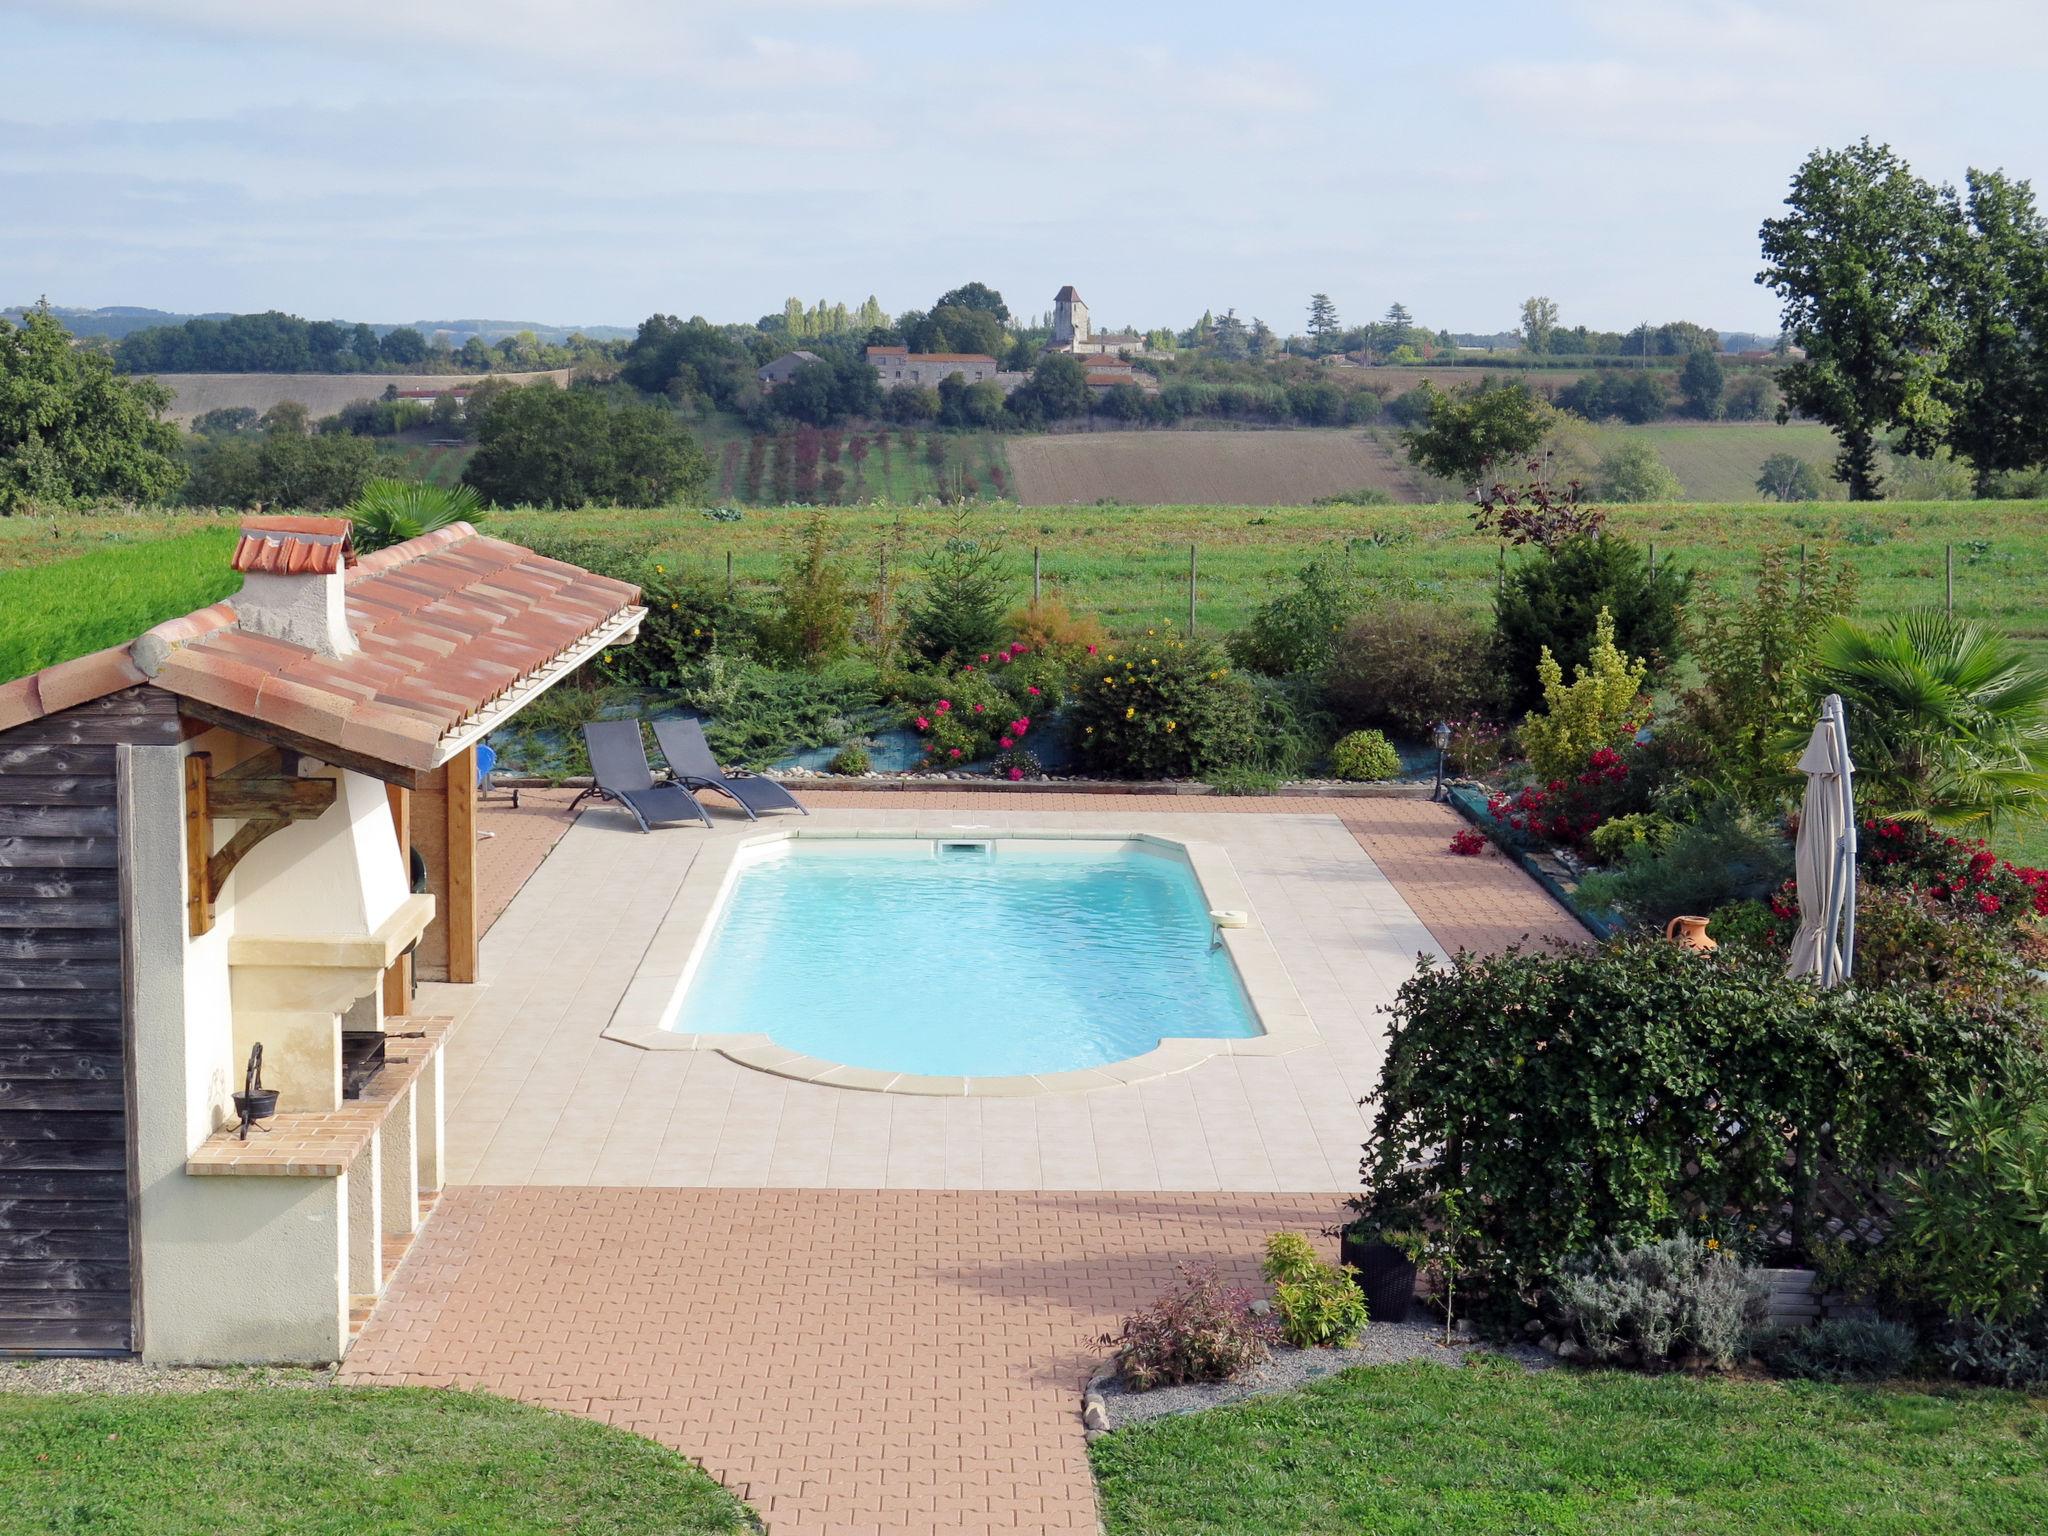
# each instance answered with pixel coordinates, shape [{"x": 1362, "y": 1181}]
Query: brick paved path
[{"x": 899, "y": 1361}]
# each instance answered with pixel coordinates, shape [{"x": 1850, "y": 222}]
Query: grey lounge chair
[
  {"x": 618, "y": 764},
  {"x": 690, "y": 763}
]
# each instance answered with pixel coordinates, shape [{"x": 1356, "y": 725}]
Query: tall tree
[
  {"x": 1322, "y": 321},
  {"x": 1700, "y": 384},
  {"x": 1857, "y": 261},
  {"x": 1999, "y": 375},
  {"x": 70, "y": 427},
  {"x": 976, "y": 296},
  {"x": 1471, "y": 434},
  {"x": 1230, "y": 339},
  {"x": 1539, "y": 321}
]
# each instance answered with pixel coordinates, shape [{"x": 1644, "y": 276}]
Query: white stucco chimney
[{"x": 292, "y": 582}]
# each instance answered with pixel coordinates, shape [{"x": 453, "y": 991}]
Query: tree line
[
  {"x": 274, "y": 342},
  {"x": 1922, "y": 311}
]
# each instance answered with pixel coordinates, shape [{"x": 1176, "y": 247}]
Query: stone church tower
[{"x": 1069, "y": 319}]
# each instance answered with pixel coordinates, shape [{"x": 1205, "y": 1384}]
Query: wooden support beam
[
  {"x": 461, "y": 913},
  {"x": 198, "y": 845},
  {"x": 265, "y": 794}
]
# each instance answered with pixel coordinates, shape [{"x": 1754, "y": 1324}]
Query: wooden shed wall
[{"x": 66, "y": 1193}]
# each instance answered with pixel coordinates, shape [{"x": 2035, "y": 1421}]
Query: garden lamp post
[{"x": 1442, "y": 737}]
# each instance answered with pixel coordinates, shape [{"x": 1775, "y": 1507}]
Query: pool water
[{"x": 972, "y": 959}]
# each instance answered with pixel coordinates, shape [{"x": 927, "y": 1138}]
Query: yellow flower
[
  {"x": 1155, "y": 661},
  {"x": 673, "y": 607},
  {"x": 1130, "y": 712},
  {"x": 1169, "y": 725},
  {"x": 1089, "y": 731},
  {"x": 1148, "y": 631},
  {"x": 696, "y": 633},
  {"x": 661, "y": 570},
  {"x": 1713, "y": 1243},
  {"x": 1112, "y": 656}
]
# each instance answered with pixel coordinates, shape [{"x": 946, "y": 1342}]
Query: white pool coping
[{"x": 654, "y": 997}]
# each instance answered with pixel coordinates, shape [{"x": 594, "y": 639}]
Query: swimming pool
[{"x": 963, "y": 956}]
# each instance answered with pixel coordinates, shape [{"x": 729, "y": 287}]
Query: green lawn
[
  {"x": 1493, "y": 1451},
  {"x": 334, "y": 1462},
  {"x": 1719, "y": 461},
  {"x": 67, "y": 607}
]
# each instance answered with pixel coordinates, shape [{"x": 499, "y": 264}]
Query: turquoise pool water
[{"x": 974, "y": 960}]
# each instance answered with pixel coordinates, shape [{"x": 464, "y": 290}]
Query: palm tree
[
  {"x": 1948, "y": 719},
  {"x": 391, "y": 511}
]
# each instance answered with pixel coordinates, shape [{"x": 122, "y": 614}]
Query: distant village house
[
  {"x": 1071, "y": 331},
  {"x": 784, "y": 368},
  {"x": 900, "y": 365}
]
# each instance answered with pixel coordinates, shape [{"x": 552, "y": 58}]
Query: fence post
[
  {"x": 1653, "y": 557},
  {"x": 1034, "y": 575},
  {"x": 1948, "y": 560},
  {"x": 1802, "y": 570},
  {"x": 1500, "y": 577},
  {"x": 1191, "y": 591},
  {"x": 728, "y": 575}
]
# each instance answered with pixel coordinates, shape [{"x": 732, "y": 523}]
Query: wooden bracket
[{"x": 265, "y": 794}]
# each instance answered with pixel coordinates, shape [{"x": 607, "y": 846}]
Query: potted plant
[{"x": 1386, "y": 1272}]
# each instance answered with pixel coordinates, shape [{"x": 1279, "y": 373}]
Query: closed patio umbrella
[{"x": 1825, "y": 858}]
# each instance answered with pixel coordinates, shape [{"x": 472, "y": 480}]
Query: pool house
[{"x": 252, "y": 826}]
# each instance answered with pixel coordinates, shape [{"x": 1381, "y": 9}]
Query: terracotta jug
[{"x": 1690, "y": 932}]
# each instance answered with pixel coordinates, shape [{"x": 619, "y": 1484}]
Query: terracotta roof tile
[{"x": 446, "y": 625}]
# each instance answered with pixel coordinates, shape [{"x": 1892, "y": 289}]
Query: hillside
[{"x": 194, "y": 394}]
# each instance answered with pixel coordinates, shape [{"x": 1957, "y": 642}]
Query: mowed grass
[
  {"x": 1491, "y": 1450},
  {"x": 56, "y": 610},
  {"x": 335, "y": 1462}
]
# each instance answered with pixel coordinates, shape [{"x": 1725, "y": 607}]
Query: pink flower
[
  {"x": 984, "y": 656},
  {"x": 978, "y": 708},
  {"x": 1018, "y": 649},
  {"x": 954, "y": 753},
  {"x": 970, "y": 669},
  {"x": 1032, "y": 691},
  {"x": 1023, "y": 721},
  {"x": 1016, "y": 774},
  {"x": 944, "y": 705},
  {"x": 1091, "y": 650},
  {"x": 1006, "y": 742},
  {"x": 923, "y": 724}
]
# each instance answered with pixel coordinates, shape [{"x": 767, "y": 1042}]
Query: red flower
[
  {"x": 970, "y": 669},
  {"x": 923, "y": 724},
  {"x": 1005, "y": 742},
  {"x": 1016, "y": 774},
  {"x": 979, "y": 707},
  {"x": 1033, "y": 691},
  {"x": 1988, "y": 904},
  {"x": 984, "y": 658},
  {"x": 1091, "y": 650},
  {"x": 944, "y": 705},
  {"x": 954, "y": 753}
]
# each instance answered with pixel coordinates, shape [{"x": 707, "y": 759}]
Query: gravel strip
[
  {"x": 132, "y": 1378},
  {"x": 1381, "y": 1344}
]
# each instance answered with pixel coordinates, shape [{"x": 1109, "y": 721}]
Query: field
[
  {"x": 194, "y": 394},
  {"x": 834, "y": 466},
  {"x": 59, "y": 609},
  {"x": 1718, "y": 461},
  {"x": 1247, "y": 469}
]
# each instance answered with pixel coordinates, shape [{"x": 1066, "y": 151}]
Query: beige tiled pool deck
[
  {"x": 1344, "y": 889},
  {"x": 897, "y": 1346}
]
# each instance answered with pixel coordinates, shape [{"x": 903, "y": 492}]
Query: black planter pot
[{"x": 1385, "y": 1274}]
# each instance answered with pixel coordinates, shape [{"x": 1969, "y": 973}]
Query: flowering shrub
[
  {"x": 1468, "y": 843},
  {"x": 1661, "y": 1303},
  {"x": 685, "y": 621},
  {"x": 1203, "y": 1330},
  {"x": 1477, "y": 745},
  {"x": 1158, "y": 707},
  {"x": 1567, "y": 809},
  {"x": 985, "y": 705},
  {"x": 1960, "y": 872}
]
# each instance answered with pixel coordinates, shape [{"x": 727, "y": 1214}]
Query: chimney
[{"x": 292, "y": 582}]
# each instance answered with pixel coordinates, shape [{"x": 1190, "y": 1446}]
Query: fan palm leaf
[
  {"x": 1948, "y": 719},
  {"x": 391, "y": 511}
]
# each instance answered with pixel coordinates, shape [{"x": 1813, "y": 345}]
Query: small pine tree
[{"x": 966, "y": 592}]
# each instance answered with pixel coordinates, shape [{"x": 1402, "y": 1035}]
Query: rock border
[{"x": 976, "y": 783}]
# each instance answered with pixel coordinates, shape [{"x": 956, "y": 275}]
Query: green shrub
[
  {"x": 1294, "y": 631},
  {"x": 851, "y": 762},
  {"x": 391, "y": 511},
  {"x": 1601, "y": 705},
  {"x": 1728, "y": 854},
  {"x": 1977, "y": 1211},
  {"x": 1319, "y": 1305},
  {"x": 1365, "y": 755},
  {"x": 1843, "y": 1349},
  {"x": 1662, "y": 1303},
  {"x": 1748, "y": 922},
  {"x": 687, "y": 619},
  {"x": 1554, "y": 600},
  {"x": 1910, "y": 939},
  {"x": 810, "y": 621},
  {"x": 1162, "y": 708},
  {"x": 1616, "y": 1093},
  {"x": 756, "y": 714},
  {"x": 1244, "y": 781},
  {"x": 1405, "y": 666},
  {"x": 2011, "y": 1354},
  {"x": 1293, "y": 729},
  {"x": 959, "y": 610},
  {"x": 1612, "y": 840}
]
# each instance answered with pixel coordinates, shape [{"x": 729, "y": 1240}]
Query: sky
[{"x": 596, "y": 161}]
